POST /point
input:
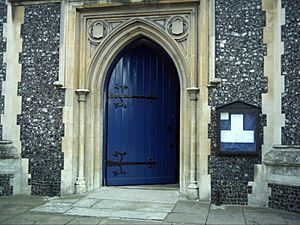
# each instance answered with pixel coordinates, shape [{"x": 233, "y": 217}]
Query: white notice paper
[
  {"x": 237, "y": 134},
  {"x": 228, "y": 136},
  {"x": 237, "y": 122},
  {"x": 246, "y": 136}
]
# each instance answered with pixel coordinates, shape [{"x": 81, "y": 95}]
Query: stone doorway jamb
[{"x": 80, "y": 185}]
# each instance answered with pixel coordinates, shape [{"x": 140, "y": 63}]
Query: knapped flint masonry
[{"x": 84, "y": 82}]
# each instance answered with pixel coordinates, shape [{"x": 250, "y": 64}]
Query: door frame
[
  {"x": 133, "y": 30},
  {"x": 85, "y": 66}
]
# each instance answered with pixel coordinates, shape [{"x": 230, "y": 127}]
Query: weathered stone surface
[
  {"x": 131, "y": 222},
  {"x": 53, "y": 207},
  {"x": 86, "y": 220},
  {"x": 186, "y": 218},
  {"x": 15, "y": 210},
  {"x": 117, "y": 202},
  {"x": 134, "y": 206},
  {"x": 12, "y": 209},
  {"x": 263, "y": 216},
  {"x": 117, "y": 213},
  {"x": 284, "y": 162},
  {"x": 86, "y": 202},
  {"x": 191, "y": 207},
  {"x": 226, "y": 215},
  {"x": 288, "y": 156},
  {"x": 239, "y": 64},
  {"x": 134, "y": 194},
  {"x": 32, "y": 218}
]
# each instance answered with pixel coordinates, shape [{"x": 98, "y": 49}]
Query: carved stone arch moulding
[
  {"x": 118, "y": 39},
  {"x": 176, "y": 26}
]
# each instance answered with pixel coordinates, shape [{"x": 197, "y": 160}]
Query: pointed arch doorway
[{"x": 142, "y": 95}]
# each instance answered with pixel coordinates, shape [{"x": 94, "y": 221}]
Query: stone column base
[
  {"x": 193, "y": 190},
  {"x": 80, "y": 186}
]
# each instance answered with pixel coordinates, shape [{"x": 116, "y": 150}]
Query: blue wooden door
[{"x": 142, "y": 118}]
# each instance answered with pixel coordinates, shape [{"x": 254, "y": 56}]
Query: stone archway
[
  {"x": 102, "y": 35},
  {"x": 135, "y": 29}
]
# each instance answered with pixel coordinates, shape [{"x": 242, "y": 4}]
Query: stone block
[
  {"x": 186, "y": 218},
  {"x": 262, "y": 216},
  {"x": 226, "y": 215}
]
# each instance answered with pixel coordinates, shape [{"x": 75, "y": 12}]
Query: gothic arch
[
  {"x": 121, "y": 37},
  {"x": 95, "y": 82}
]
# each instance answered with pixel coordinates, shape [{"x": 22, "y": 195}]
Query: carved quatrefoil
[
  {"x": 177, "y": 27},
  {"x": 98, "y": 30}
]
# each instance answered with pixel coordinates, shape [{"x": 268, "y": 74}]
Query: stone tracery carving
[
  {"x": 177, "y": 27},
  {"x": 98, "y": 30}
]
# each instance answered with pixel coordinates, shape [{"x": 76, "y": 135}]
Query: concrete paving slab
[
  {"x": 23, "y": 200},
  {"x": 117, "y": 213},
  {"x": 86, "y": 202},
  {"x": 22, "y": 219},
  {"x": 226, "y": 215},
  {"x": 191, "y": 207},
  {"x": 141, "y": 195},
  {"x": 64, "y": 200},
  {"x": 290, "y": 217},
  {"x": 53, "y": 207},
  {"x": 53, "y": 219},
  {"x": 17, "y": 222},
  {"x": 262, "y": 216},
  {"x": 134, "y": 206},
  {"x": 4, "y": 217},
  {"x": 16, "y": 210},
  {"x": 133, "y": 222},
  {"x": 36, "y": 218},
  {"x": 186, "y": 218},
  {"x": 85, "y": 220},
  {"x": 154, "y": 186},
  {"x": 13, "y": 209}
]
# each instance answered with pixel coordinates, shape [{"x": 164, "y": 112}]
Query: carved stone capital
[
  {"x": 193, "y": 92},
  {"x": 82, "y": 93}
]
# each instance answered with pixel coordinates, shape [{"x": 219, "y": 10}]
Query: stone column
[
  {"x": 80, "y": 186},
  {"x": 193, "y": 189}
]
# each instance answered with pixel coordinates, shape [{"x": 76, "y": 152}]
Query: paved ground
[{"x": 133, "y": 206}]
